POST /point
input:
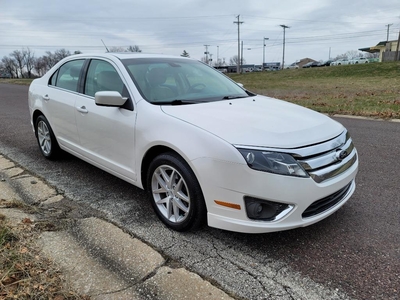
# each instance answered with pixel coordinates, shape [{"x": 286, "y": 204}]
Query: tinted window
[
  {"x": 67, "y": 76},
  {"x": 102, "y": 76}
]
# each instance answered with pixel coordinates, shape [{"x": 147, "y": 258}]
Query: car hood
[{"x": 259, "y": 121}]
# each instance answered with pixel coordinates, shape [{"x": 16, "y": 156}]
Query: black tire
[
  {"x": 179, "y": 201},
  {"x": 46, "y": 139}
]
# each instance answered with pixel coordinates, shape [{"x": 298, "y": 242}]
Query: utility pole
[
  {"x": 265, "y": 39},
  {"x": 397, "y": 48},
  {"x": 218, "y": 56},
  {"x": 283, "y": 56},
  {"x": 238, "y": 22},
  {"x": 206, "y": 53},
  {"x": 387, "y": 36},
  {"x": 241, "y": 59}
]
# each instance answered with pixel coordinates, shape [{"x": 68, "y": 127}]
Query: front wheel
[
  {"x": 175, "y": 193},
  {"x": 47, "y": 141}
]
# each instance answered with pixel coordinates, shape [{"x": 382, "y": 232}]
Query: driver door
[{"x": 106, "y": 133}]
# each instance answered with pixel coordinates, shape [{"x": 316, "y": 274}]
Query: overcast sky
[{"x": 317, "y": 27}]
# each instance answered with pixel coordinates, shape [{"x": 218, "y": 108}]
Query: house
[
  {"x": 387, "y": 50},
  {"x": 304, "y": 61}
]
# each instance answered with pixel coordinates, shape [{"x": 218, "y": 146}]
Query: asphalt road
[{"x": 355, "y": 251}]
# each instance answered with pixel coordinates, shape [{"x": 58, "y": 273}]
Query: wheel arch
[
  {"x": 152, "y": 153},
  {"x": 35, "y": 115}
]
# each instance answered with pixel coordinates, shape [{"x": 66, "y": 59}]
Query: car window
[
  {"x": 67, "y": 76},
  {"x": 169, "y": 80},
  {"x": 102, "y": 76}
]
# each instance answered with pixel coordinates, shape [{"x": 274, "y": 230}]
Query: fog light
[{"x": 264, "y": 210}]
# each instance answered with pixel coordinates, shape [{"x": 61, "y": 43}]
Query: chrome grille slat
[
  {"x": 325, "y": 159},
  {"x": 327, "y": 165},
  {"x": 334, "y": 170}
]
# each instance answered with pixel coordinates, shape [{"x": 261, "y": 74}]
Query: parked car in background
[
  {"x": 339, "y": 62},
  {"x": 326, "y": 63},
  {"x": 204, "y": 148},
  {"x": 292, "y": 66},
  {"x": 315, "y": 64},
  {"x": 5, "y": 75},
  {"x": 311, "y": 64},
  {"x": 359, "y": 60}
]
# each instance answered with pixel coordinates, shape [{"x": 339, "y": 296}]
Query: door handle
[
  {"x": 46, "y": 97},
  {"x": 82, "y": 109}
]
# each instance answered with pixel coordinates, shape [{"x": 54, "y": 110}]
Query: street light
[
  {"x": 265, "y": 39},
  {"x": 241, "y": 58}
]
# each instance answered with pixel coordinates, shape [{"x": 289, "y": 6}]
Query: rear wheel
[
  {"x": 47, "y": 141},
  {"x": 175, "y": 193}
]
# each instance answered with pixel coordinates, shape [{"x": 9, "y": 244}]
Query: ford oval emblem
[{"x": 341, "y": 154}]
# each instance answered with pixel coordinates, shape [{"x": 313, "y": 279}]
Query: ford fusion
[{"x": 204, "y": 148}]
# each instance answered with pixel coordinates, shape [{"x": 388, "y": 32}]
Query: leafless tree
[
  {"x": 185, "y": 54},
  {"x": 116, "y": 49},
  {"x": 19, "y": 57},
  {"x": 353, "y": 54},
  {"x": 60, "y": 54},
  {"x": 134, "y": 48},
  {"x": 29, "y": 60},
  {"x": 341, "y": 56},
  {"x": 49, "y": 59},
  {"x": 234, "y": 60},
  {"x": 40, "y": 66},
  {"x": 10, "y": 66}
]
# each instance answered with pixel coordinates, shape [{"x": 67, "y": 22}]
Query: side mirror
[
  {"x": 240, "y": 84},
  {"x": 109, "y": 98}
]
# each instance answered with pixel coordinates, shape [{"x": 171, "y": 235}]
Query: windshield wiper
[
  {"x": 174, "y": 102},
  {"x": 233, "y": 97}
]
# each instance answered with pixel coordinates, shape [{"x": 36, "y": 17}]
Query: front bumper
[{"x": 229, "y": 182}]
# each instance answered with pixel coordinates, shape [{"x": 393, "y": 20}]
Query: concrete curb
[
  {"x": 97, "y": 258},
  {"x": 364, "y": 118}
]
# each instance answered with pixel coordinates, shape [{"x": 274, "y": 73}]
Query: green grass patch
[{"x": 22, "y": 81}]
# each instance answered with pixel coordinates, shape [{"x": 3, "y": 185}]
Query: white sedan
[
  {"x": 339, "y": 62},
  {"x": 205, "y": 148},
  {"x": 359, "y": 60}
]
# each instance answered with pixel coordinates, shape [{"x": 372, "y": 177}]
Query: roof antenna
[{"x": 105, "y": 46}]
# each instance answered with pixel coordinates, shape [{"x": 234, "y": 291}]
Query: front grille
[
  {"x": 326, "y": 203},
  {"x": 329, "y": 159}
]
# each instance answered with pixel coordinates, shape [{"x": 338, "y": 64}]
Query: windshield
[{"x": 180, "y": 81}]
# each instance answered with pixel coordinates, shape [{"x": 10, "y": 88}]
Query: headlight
[{"x": 272, "y": 162}]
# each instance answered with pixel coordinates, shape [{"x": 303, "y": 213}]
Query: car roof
[{"x": 126, "y": 55}]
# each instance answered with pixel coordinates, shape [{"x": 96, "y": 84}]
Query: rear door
[{"x": 59, "y": 102}]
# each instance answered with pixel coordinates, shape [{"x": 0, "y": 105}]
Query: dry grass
[
  {"x": 364, "y": 90},
  {"x": 24, "y": 272}
]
